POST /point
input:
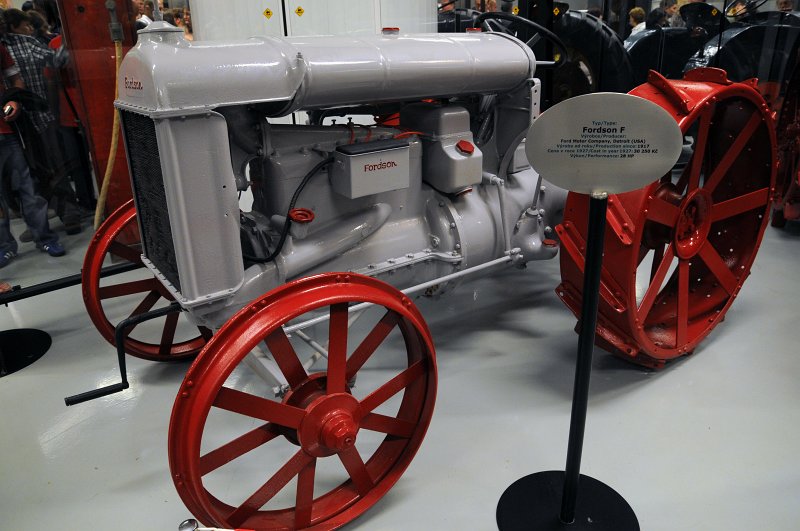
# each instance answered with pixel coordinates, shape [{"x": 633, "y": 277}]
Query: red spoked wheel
[
  {"x": 678, "y": 251},
  {"x": 110, "y": 300},
  {"x": 242, "y": 458}
]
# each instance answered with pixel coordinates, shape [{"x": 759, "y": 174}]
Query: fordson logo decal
[
  {"x": 382, "y": 165},
  {"x": 133, "y": 84}
]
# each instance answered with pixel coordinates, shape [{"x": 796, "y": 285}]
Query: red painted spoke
[
  {"x": 304, "y": 501},
  {"x": 718, "y": 268},
  {"x": 388, "y": 425},
  {"x": 662, "y": 212},
  {"x": 259, "y": 408},
  {"x": 355, "y": 466},
  {"x": 655, "y": 284},
  {"x": 128, "y": 288},
  {"x": 393, "y": 386},
  {"x": 371, "y": 342},
  {"x": 284, "y": 355},
  {"x": 130, "y": 254},
  {"x": 699, "y": 151},
  {"x": 682, "y": 316},
  {"x": 168, "y": 335},
  {"x": 337, "y": 348},
  {"x": 146, "y": 305},
  {"x": 738, "y": 205},
  {"x": 733, "y": 152},
  {"x": 236, "y": 448},
  {"x": 658, "y": 256},
  {"x": 267, "y": 491}
]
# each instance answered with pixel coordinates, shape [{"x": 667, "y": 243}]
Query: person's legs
[
  {"x": 8, "y": 245},
  {"x": 34, "y": 207}
]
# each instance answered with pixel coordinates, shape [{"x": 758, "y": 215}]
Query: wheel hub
[
  {"x": 694, "y": 222},
  {"x": 330, "y": 425}
]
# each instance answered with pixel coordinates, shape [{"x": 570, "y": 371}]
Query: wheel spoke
[
  {"x": 739, "y": 205},
  {"x": 655, "y": 284},
  {"x": 168, "y": 335},
  {"x": 267, "y": 491},
  {"x": 658, "y": 256},
  {"x": 236, "y": 448},
  {"x": 304, "y": 501},
  {"x": 682, "y": 314},
  {"x": 146, "y": 305},
  {"x": 699, "y": 152},
  {"x": 130, "y": 254},
  {"x": 718, "y": 268},
  {"x": 284, "y": 355},
  {"x": 733, "y": 152},
  {"x": 337, "y": 348},
  {"x": 355, "y": 466},
  {"x": 393, "y": 386},
  {"x": 388, "y": 425},
  {"x": 259, "y": 408},
  {"x": 128, "y": 288},
  {"x": 662, "y": 212},
  {"x": 373, "y": 340}
]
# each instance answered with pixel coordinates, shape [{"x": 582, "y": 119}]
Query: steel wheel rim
[
  {"x": 104, "y": 242},
  {"x": 203, "y": 388}
]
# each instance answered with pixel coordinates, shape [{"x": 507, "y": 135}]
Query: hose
[{"x": 112, "y": 150}]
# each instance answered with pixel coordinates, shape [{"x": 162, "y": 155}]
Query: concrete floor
[{"x": 710, "y": 443}]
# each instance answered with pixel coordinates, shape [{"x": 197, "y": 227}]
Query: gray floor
[{"x": 710, "y": 443}]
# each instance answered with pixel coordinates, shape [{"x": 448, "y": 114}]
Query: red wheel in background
[
  {"x": 129, "y": 297},
  {"x": 678, "y": 251},
  {"x": 788, "y": 132},
  {"x": 327, "y": 450}
]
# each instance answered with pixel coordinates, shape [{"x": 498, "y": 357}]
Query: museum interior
[{"x": 394, "y": 265}]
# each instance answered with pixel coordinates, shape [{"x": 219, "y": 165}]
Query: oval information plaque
[{"x": 604, "y": 142}]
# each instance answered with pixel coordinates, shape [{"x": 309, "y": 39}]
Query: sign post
[{"x": 595, "y": 144}]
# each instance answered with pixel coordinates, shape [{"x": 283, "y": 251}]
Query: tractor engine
[{"x": 436, "y": 188}]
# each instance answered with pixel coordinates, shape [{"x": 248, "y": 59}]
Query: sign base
[{"x": 533, "y": 503}]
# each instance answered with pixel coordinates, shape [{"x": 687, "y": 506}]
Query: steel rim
[
  {"x": 319, "y": 417},
  {"x": 109, "y": 240},
  {"x": 680, "y": 249}
]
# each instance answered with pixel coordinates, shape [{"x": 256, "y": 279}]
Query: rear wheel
[{"x": 679, "y": 250}]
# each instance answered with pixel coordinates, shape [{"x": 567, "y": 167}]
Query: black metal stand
[
  {"x": 549, "y": 500},
  {"x": 21, "y": 347}
]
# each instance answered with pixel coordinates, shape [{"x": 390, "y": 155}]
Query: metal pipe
[
  {"x": 583, "y": 370},
  {"x": 411, "y": 290}
]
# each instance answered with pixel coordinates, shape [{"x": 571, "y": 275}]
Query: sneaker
[
  {"x": 53, "y": 249},
  {"x": 6, "y": 257},
  {"x": 26, "y": 236}
]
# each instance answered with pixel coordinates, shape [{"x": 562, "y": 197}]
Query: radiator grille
[{"x": 148, "y": 189}]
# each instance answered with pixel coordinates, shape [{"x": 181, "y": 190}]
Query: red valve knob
[{"x": 465, "y": 147}]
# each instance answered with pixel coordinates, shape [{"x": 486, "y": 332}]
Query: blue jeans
[{"x": 34, "y": 207}]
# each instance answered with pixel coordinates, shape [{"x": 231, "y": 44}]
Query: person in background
[
  {"x": 657, "y": 18},
  {"x": 49, "y": 10},
  {"x": 636, "y": 20},
  {"x": 491, "y": 5},
  {"x": 41, "y": 30},
  {"x": 784, "y": 5},
  {"x": 40, "y": 129},
  {"x": 149, "y": 9},
  {"x": 14, "y": 167},
  {"x": 670, "y": 7}
]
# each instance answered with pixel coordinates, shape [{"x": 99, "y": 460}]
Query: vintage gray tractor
[{"x": 316, "y": 353}]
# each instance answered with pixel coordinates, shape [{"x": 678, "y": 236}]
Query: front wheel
[{"x": 326, "y": 449}]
